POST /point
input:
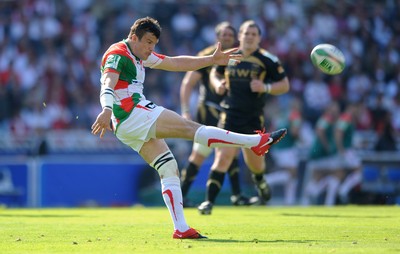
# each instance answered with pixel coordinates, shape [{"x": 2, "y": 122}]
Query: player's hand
[
  {"x": 257, "y": 86},
  {"x": 222, "y": 58},
  {"x": 102, "y": 123},
  {"x": 220, "y": 88}
]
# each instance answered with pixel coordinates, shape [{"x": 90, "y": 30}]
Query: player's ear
[{"x": 134, "y": 38}]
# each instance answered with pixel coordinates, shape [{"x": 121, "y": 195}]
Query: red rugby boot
[
  {"x": 267, "y": 140},
  {"x": 191, "y": 233}
]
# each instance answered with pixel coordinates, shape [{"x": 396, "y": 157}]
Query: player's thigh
[
  {"x": 152, "y": 148},
  {"x": 223, "y": 158},
  {"x": 254, "y": 162},
  {"x": 171, "y": 125}
]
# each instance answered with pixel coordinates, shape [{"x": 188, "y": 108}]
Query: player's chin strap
[{"x": 106, "y": 97}]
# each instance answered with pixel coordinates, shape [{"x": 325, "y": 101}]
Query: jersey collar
[{"x": 130, "y": 50}]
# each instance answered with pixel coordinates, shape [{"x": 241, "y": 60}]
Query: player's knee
[
  {"x": 166, "y": 165},
  {"x": 202, "y": 149},
  {"x": 221, "y": 164}
]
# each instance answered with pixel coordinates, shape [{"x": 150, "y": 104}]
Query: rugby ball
[{"x": 328, "y": 58}]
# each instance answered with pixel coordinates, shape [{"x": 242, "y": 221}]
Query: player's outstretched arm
[{"x": 192, "y": 63}]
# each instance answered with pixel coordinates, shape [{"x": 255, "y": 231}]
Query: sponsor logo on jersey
[{"x": 112, "y": 61}]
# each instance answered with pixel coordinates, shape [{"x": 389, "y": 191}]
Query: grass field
[{"x": 353, "y": 229}]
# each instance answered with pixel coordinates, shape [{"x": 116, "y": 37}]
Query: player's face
[
  {"x": 249, "y": 38},
  {"x": 142, "y": 48},
  {"x": 227, "y": 38}
]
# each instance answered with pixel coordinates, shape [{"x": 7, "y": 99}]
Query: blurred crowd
[{"x": 50, "y": 53}]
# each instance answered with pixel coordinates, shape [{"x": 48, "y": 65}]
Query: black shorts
[
  {"x": 207, "y": 114},
  {"x": 241, "y": 124}
]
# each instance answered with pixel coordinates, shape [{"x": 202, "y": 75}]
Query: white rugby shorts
[{"x": 140, "y": 125}]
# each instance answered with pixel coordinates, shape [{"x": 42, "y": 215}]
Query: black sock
[
  {"x": 257, "y": 177},
  {"x": 188, "y": 175},
  {"x": 233, "y": 172},
  {"x": 214, "y": 185}
]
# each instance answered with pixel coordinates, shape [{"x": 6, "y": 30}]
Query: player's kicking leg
[{"x": 172, "y": 125}]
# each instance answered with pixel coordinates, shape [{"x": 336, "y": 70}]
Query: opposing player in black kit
[
  {"x": 245, "y": 86},
  {"x": 208, "y": 110}
]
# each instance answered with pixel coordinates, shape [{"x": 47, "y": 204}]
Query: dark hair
[
  {"x": 250, "y": 23},
  {"x": 145, "y": 25},
  {"x": 221, "y": 26}
]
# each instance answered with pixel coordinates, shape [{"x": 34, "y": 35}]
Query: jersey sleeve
[
  {"x": 279, "y": 73},
  {"x": 114, "y": 63},
  {"x": 153, "y": 60},
  {"x": 275, "y": 70}
]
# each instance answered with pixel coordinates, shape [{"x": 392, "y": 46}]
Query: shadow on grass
[
  {"x": 258, "y": 241},
  {"x": 333, "y": 216}
]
